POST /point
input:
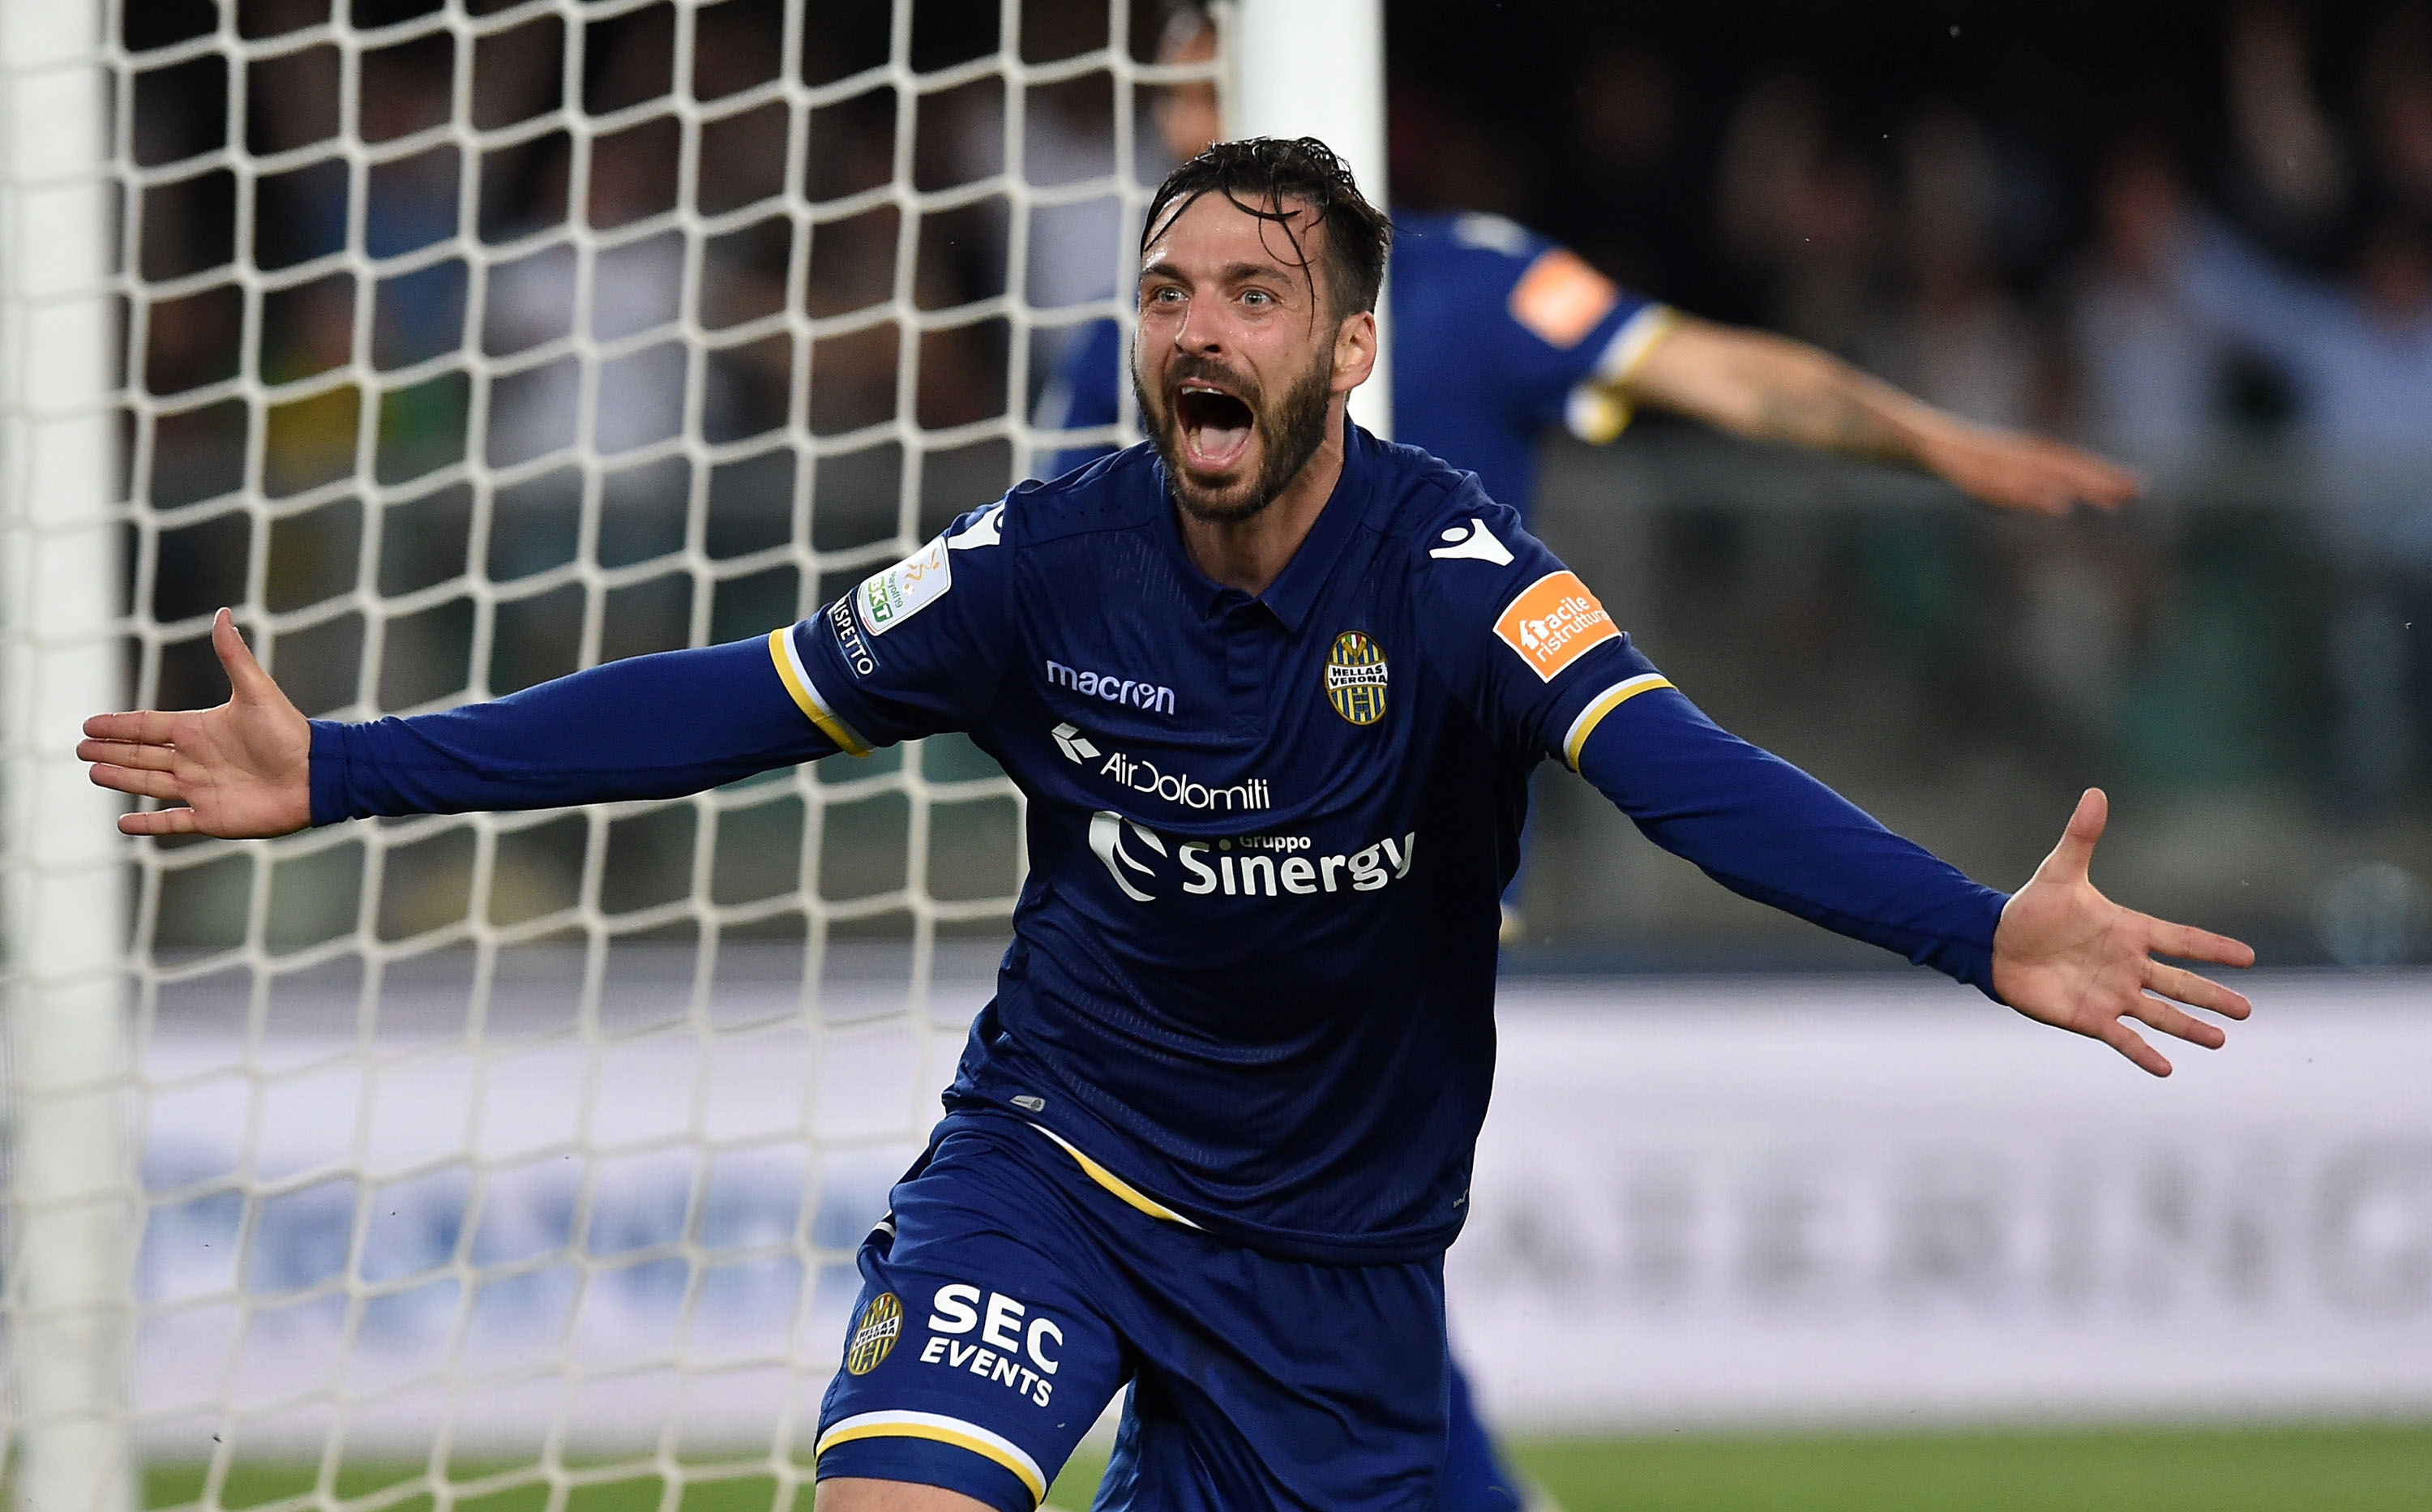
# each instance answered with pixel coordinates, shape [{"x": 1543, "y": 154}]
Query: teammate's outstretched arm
[
  {"x": 1771, "y": 388},
  {"x": 2065, "y": 954}
]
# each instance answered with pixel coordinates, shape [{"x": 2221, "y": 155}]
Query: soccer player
[
  {"x": 1498, "y": 333},
  {"x": 1273, "y": 689}
]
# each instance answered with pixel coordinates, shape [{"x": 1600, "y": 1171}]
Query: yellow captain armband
[
  {"x": 806, "y": 693},
  {"x": 1602, "y": 705}
]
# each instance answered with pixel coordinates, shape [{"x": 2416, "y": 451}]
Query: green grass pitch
[
  {"x": 2323, "y": 1468},
  {"x": 2376, "y": 1468}
]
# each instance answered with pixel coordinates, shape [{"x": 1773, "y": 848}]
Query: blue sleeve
[
  {"x": 1770, "y": 832},
  {"x": 1083, "y": 403},
  {"x": 1545, "y": 325},
  {"x": 648, "y": 728}
]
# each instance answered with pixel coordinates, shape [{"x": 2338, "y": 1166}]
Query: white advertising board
[
  {"x": 1858, "y": 1200},
  {"x": 1749, "y": 1201},
  {"x": 623, "y": 1231}
]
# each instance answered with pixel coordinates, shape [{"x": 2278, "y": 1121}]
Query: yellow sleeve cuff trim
[
  {"x": 806, "y": 694},
  {"x": 1596, "y": 411},
  {"x": 938, "y": 1430},
  {"x": 1637, "y": 336},
  {"x": 1605, "y": 703},
  {"x": 1131, "y": 1195}
]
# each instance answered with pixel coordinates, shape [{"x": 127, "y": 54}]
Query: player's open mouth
[{"x": 1216, "y": 427}]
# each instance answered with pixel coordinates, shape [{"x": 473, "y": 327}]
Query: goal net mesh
[{"x": 518, "y": 1160}]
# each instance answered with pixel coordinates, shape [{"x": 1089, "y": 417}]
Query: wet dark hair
[{"x": 1263, "y": 177}]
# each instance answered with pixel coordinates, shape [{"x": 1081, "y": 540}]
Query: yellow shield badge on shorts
[
  {"x": 873, "y": 1334},
  {"x": 1355, "y": 678}
]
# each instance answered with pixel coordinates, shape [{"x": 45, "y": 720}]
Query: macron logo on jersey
[
  {"x": 1154, "y": 697},
  {"x": 1471, "y": 543}
]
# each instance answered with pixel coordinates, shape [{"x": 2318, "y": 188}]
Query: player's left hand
[
  {"x": 2011, "y": 469},
  {"x": 2067, "y": 956}
]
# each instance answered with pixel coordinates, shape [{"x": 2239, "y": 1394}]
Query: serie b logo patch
[
  {"x": 889, "y": 598},
  {"x": 874, "y": 1333},
  {"x": 1553, "y": 623},
  {"x": 1355, "y": 678}
]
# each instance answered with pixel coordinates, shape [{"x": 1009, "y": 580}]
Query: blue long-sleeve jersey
[
  {"x": 1497, "y": 334},
  {"x": 1253, "y": 965}
]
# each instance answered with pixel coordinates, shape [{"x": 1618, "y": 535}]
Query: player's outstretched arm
[
  {"x": 1771, "y": 388},
  {"x": 2067, "y": 956},
  {"x": 2058, "y": 951},
  {"x": 240, "y": 771},
  {"x": 653, "y": 726}
]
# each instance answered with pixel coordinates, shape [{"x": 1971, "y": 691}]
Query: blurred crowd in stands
[
  {"x": 2232, "y": 240},
  {"x": 2196, "y": 235}
]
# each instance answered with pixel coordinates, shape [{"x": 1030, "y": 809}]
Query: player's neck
[{"x": 1251, "y": 554}]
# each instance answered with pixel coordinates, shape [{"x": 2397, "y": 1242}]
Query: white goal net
[{"x": 510, "y": 1160}]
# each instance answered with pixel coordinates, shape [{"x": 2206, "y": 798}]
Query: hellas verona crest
[
  {"x": 1355, "y": 677},
  {"x": 874, "y": 1333}
]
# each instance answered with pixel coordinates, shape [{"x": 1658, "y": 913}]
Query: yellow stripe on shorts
[
  {"x": 938, "y": 1429},
  {"x": 1130, "y": 1193}
]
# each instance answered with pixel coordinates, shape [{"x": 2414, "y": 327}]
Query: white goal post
[
  {"x": 455, "y": 344},
  {"x": 70, "y": 1215},
  {"x": 1318, "y": 71}
]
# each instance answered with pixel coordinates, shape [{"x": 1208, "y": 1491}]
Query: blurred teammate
[
  {"x": 1273, "y": 689},
  {"x": 1498, "y": 333}
]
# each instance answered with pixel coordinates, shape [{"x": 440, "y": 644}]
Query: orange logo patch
[
  {"x": 1554, "y": 622},
  {"x": 1561, "y": 298}
]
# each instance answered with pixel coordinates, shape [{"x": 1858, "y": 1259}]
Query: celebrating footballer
[{"x": 1213, "y": 1133}]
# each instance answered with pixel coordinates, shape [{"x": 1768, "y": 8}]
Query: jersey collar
[{"x": 1295, "y": 591}]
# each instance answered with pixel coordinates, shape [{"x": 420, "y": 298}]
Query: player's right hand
[{"x": 241, "y": 770}]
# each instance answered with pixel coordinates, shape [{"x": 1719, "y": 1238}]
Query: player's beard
[{"x": 1289, "y": 434}]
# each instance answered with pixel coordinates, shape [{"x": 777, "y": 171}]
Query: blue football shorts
[{"x": 1014, "y": 1288}]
